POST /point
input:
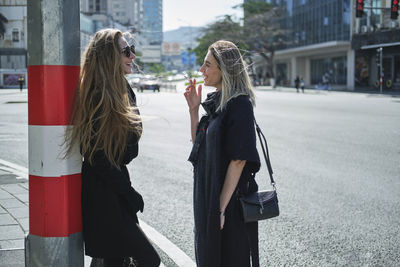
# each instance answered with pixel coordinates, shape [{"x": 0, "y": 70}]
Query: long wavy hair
[
  {"x": 103, "y": 116},
  {"x": 235, "y": 79}
]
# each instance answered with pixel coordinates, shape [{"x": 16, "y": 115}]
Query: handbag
[{"x": 261, "y": 205}]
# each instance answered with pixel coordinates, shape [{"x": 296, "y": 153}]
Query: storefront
[
  {"x": 368, "y": 60},
  {"x": 330, "y": 62}
]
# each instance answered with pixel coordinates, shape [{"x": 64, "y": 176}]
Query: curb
[{"x": 14, "y": 222}]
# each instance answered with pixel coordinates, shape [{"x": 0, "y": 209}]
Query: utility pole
[
  {"x": 379, "y": 53},
  {"x": 55, "y": 223}
]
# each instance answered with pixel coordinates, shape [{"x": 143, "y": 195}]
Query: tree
[
  {"x": 156, "y": 68},
  {"x": 226, "y": 29},
  {"x": 264, "y": 31}
]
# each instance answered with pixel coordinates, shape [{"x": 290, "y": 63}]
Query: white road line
[
  {"x": 149, "y": 117},
  {"x": 169, "y": 248},
  {"x": 15, "y": 169}
]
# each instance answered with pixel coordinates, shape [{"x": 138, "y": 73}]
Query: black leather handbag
[{"x": 261, "y": 205}]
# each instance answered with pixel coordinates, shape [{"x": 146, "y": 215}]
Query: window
[{"x": 15, "y": 35}]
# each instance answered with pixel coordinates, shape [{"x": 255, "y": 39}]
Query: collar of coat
[{"x": 211, "y": 103}]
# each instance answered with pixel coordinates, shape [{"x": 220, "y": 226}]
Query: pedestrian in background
[
  {"x": 225, "y": 160},
  {"x": 107, "y": 127},
  {"x": 325, "y": 81},
  {"x": 297, "y": 83},
  {"x": 21, "y": 82},
  {"x": 302, "y": 84}
]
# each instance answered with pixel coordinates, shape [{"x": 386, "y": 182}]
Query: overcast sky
[{"x": 179, "y": 13}]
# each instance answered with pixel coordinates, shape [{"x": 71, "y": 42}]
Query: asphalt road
[{"x": 336, "y": 158}]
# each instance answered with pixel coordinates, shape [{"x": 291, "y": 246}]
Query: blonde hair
[
  {"x": 103, "y": 116},
  {"x": 235, "y": 79}
]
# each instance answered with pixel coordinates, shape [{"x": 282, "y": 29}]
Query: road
[{"x": 335, "y": 157}]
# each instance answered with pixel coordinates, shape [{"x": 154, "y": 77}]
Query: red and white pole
[{"x": 55, "y": 225}]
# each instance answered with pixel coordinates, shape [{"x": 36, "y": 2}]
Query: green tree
[
  {"x": 223, "y": 29},
  {"x": 265, "y": 31},
  {"x": 262, "y": 32},
  {"x": 156, "y": 68}
]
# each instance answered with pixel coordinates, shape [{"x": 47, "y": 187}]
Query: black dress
[
  {"x": 109, "y": 207},
  {"x": 221, "y": 137}
]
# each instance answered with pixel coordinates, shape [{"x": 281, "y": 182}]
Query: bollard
[{"x": 55, "y": 225}]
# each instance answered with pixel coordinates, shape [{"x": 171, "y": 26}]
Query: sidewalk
[{"x": 14, "y": 218}]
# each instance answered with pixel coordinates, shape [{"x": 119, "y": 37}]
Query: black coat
[
  {"x": 110, "y": 204},
  {"x": 222, "y": 137}
]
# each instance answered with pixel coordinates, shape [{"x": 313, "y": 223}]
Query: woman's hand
[
  {"x": 232, "y": 177},
  {"x": 193, "y": 96}
]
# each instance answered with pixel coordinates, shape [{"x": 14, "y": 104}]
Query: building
[
  {"x": 94, "y": 6},
  {"x": 376, "y": 35},
  {"x": 328, "y": 44},
  {"x": 152, "y": 26},
  {"x": 125, "y": 12},
  {"x": 143, "y": 18},
  {"x": 13, "y": 43},
  {"x": 151, "y": 31},
  {"x": 320, "y": 47},
  {"x": 171, "y": 56},
  {"x": 88, "y": 28}
]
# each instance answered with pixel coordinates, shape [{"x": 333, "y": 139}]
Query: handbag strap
[{"x": 264, "y": 147}]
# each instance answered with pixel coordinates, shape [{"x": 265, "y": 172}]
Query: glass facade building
[
  {"x": 152, "y": 27},
  {"x": 319, "y": 41},
  {"x": 315, "y": 21}
]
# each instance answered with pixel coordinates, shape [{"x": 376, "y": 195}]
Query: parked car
[
  {"x": 149, "y": 83},
  {"x": 134, "y": 80}
]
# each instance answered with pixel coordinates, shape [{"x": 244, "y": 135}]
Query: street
[{"x": 335, "y": 157}]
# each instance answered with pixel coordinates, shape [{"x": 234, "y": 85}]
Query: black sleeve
[
  {"x": 118, "y": 181},
  {"x": 239, "y": 136}
]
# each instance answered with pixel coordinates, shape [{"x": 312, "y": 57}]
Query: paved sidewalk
[{"x": 14, "y": 218}]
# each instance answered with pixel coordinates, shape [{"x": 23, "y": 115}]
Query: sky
[{"x": 178, "y": 13}]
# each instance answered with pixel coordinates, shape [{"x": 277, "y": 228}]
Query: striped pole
[{"x": 55, "y": 227}]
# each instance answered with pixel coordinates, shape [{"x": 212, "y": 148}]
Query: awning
[{"x": 379, "y": 45}]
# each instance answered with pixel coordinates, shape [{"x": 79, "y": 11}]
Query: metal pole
[
  {"x": 380, "y": 69},
  {"x": 55, "y": 223}
]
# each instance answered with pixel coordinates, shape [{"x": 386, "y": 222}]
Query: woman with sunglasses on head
[
  {"x": 107, "y": 127},
  {"x": 225, "y": 160}
]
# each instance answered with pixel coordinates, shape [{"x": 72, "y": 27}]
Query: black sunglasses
[{"x": 128, "y": 49}]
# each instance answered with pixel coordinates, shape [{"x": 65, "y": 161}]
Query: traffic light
[
  {"x": 394, "y": 9},
  {"x": 360, "y": 8}
]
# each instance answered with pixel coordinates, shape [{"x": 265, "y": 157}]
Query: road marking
[
  {"x": 149, "y": 117},
  {"x": 169, "y": 248},
  {"x": 15, "y": 169}
]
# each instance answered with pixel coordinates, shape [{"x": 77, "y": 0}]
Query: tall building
[
  {"x": 126, "y": 12},
  {"x": 328, "y": 42},
  {"x": 320, "y": 43},
  {"x": 94, "y": 6},
  {"x": 152, "y": 26},
  {"x": 13, "y": 42}
]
